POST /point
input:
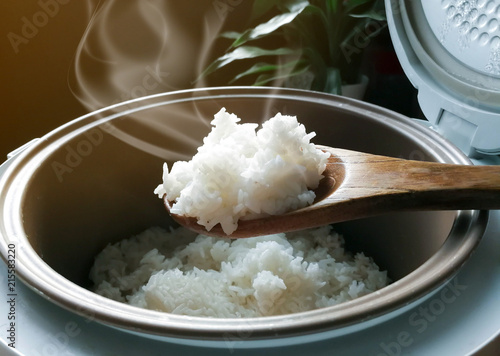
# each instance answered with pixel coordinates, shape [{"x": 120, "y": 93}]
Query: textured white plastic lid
[{"x": 450, "y": 51}]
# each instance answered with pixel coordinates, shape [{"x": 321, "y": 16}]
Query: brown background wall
[{"x": 34, "y": 91}]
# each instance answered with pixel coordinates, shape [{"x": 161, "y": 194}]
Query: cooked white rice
[
  {"x": 181, "y": 273},
  {"x": 240, "y": 172}
]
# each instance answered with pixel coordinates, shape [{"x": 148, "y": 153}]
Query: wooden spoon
[{"x": 357, "y": 185}]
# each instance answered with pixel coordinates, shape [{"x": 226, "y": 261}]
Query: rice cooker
[{"x": 450, "y": 51}]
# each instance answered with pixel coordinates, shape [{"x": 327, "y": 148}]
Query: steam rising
[
  {"x": 128, "y": 51},
  {"x": 131, "y": 49}
]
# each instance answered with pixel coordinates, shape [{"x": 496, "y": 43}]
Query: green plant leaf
[
  {"x": 256, "y": 69},
  {"x": 377, "y": 15},
  {"x": 333, "y": 81},
  {"x": 373, "y": 15},
  {"x": 261, "y": 7},
  {"x": 295, "y": 5},
  {"x": 315, "y": 10},
  {"x": 332, "y": 6},
  {"x": 271, "y": 25},
  {"x": 232, "y": 35},
  {"x": 267, "y": 67},
  {"x": 375, "y": 12},
  {"x": 267, "y": 78},
  {"x": 245, "y": 52},
  {"x": 305, "y": 27}
]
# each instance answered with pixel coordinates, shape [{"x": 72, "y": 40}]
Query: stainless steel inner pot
[{"x": 90, "y": 183}]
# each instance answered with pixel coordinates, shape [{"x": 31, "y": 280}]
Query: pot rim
[{"x": 39, "y": 276}]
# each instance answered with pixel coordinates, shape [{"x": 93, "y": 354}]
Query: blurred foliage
[{"x": 320, "y": 43}]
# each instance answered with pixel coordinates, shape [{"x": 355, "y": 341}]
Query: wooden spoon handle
[{"x": 392, "y": 184}]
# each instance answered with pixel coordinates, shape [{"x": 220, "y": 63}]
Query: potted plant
[{"x": 308, "y": 44}]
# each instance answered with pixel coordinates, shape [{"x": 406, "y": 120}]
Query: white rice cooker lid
[{"x": 450, "y": 51}]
